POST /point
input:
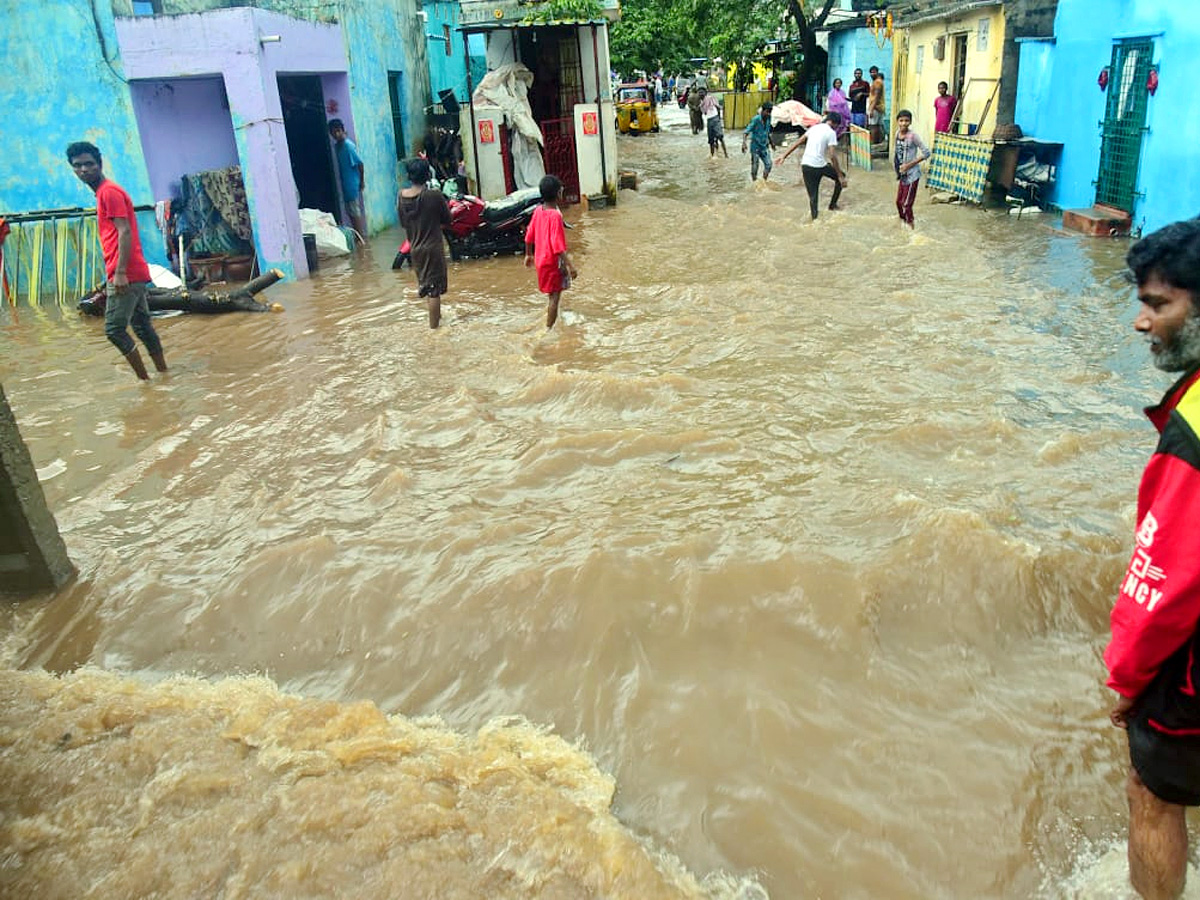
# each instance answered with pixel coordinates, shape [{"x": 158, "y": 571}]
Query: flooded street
[{"x": 805, "y": 534}]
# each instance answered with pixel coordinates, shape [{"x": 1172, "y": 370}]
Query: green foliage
[
  {"x": 565, "y": 11},
  {"x": 653, "y": 34}
]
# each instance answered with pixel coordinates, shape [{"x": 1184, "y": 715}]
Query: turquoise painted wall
[
  {"x": 57, "y": 88},
  {"x": 855, "y": 48},
  {"x": 446, "y": 72},
  {"x": 1069, "y": 104},
  {"x": 385, "y": 36}
]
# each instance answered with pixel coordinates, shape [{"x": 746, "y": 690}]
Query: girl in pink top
[
  {"x": 546, "y": 247},
  {"x": 943, "y": 108}
]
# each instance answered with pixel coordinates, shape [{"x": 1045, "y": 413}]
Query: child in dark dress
[{"x": 424, "y": 213}]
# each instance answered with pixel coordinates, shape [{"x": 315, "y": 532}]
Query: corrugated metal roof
[{"x": 945, "y": 12}]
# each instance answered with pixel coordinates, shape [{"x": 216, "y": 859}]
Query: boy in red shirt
[
  {"x": 546, "y": 247},
  {"x": 128, "y": 274}
]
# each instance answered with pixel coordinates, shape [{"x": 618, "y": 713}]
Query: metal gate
[
  {"x": 560, "y": 155},
  {"x": 1124, "y": 123}
]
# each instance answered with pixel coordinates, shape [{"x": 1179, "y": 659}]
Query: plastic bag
[{"x": 331, "y": 241}]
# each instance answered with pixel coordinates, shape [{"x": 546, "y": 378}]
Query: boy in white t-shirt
[{"x": 820, "y": 160}]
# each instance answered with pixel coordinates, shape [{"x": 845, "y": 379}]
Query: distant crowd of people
[{"x": 863, "y": 105}]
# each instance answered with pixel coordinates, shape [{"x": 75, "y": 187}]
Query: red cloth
[
  {"x": 549, "y": 238},
  {"x": 1158, "y": 606},
  {"x": 113, "y": 203},
  {"x": 548, "y": 235},
  {"x": 943, "y": 108},
  {"x": 549, "y": 279}
]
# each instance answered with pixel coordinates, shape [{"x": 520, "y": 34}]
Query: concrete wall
[
  {"x": 1069, "y": 104},
  {"x": 597, "y": 152},
  {"x": 856, "y": 48},
  {"x": 447, "y": 72},
  {"x": 57, "y": 88},
  {"x": 916, "y": 90},
  {"x": 185, "y": 127},
  {"x": 1033, "y": 85},
  {"x": 226, "y": 43},
  {"x": 384, "y": 36},
  {"x": 32, "y": 554}
]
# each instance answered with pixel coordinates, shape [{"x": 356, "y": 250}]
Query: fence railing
[{"x": 51, "y": 254}]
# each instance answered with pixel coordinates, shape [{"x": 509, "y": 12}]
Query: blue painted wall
[
  {"x": 447, "y": 72},
  {"x": 59, "y": 89},
  {"x": 383, "y": 36},
  {"x": 1034, "y": 86},
  {"x": 855, "y": 48},
  {"x": 1068, "y": 104}
]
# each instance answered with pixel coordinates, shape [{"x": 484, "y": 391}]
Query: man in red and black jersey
[
  {"x": 128, "y": 274},
  {"x": 1153, "y": 658}
]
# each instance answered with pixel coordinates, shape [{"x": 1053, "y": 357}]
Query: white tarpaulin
[
  {"x": 508, "y": 88},
  {"x": 793, "y": 112}
]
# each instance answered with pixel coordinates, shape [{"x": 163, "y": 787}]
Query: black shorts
[{"x": 1169, "y": 766}]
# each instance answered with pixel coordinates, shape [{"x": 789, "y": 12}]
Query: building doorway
[
  {"x": 958, "y": 63},
  {"x": 303, "y": 103},
  {"x": 554, "y": 56},
  {"x": 1124, "y": 121}
]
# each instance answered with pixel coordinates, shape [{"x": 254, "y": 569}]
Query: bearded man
[{"x": 1153, "y": 658}]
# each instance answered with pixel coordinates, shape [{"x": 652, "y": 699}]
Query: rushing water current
[{"x": 781, "y": 565}]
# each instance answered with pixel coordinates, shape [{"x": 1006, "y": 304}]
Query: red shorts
[{"x": 549, "y": 279}]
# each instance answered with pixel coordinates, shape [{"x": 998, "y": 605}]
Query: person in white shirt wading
[{"x": 820, "y": 160}]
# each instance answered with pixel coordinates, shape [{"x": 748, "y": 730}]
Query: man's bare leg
[
  {"x": 552, "y": 309},
  {"x": 434, "y": 302},
  {"x": 1157, "y": 843}
]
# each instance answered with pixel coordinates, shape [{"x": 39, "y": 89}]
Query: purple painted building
[{"x": 209, "y": 90}]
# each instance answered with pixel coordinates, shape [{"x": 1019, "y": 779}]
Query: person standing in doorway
[
  {"x": 943, "y": 109},
  {"x": 876, "y": 107},
  {"x": 1153, "y": 658},
  {"x": 424, "y": 213},
  {"x": 352, "y": 175},
  {"x": 546, "y": 247},
  {"x": 910, "y": 152},
  {"x": 759, "y": 134},
  {"x": 820, "y": 160},
  {"x": 858, "y": 92},
  {"x": 128, "y": 274}
]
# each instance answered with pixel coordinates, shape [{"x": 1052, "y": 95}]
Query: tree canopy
[{"x": 654, "y": 34}]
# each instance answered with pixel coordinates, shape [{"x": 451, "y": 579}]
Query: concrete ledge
[
  {"x": 1100, "y": 221},
  {"x": 33, "y": 556}
]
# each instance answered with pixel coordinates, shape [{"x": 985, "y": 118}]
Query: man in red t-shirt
[
  {"x": 1153, "y": 658},
  {"x": 128, "y": 274}
]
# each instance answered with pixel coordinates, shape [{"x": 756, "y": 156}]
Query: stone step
[{"x": 1099, "y": 220}]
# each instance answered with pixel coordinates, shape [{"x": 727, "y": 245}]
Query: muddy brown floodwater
[{"x": 784, "y": 560}]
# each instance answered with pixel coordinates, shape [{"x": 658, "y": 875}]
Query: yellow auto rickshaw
[{"x": 637, "y": 108}]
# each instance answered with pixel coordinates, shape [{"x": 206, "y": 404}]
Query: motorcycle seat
[{"x": 507, "y": 207}]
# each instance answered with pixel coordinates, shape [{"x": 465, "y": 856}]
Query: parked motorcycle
[{"x": 482, "y": 228}]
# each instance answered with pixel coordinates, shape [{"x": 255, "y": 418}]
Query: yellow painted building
[{"x": 961, "y": 44}]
